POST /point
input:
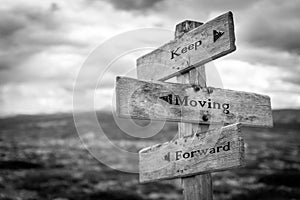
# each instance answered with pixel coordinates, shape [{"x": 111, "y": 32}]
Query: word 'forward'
[{"x": 217, "y": 150}]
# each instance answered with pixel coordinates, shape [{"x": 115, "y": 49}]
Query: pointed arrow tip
[
  {"x": 167, "y": 98},
  {"x": 217, "y": 34}
]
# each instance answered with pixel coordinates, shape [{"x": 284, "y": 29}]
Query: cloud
[
  {"x": 273, "y": 24},
  {"x": 282, "y": 66},
  {"x": 260, "y": 78},
  {"x": 44, "y": 43},
  {"x": 32, "y": 98},
  {"x": 20, "y": 19},
  {"x": 169, "y": 9},
  {"x": 133, "y": 5},
  {"x": 266, "y": 36},
  {"x": 25, "y": 31},
  {"x": 9, "y": 25},
  {"x": 220, "y": 5},
  {"x": 293, "y": 78}
]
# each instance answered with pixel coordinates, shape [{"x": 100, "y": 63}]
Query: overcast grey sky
[{"x": 44, "y": 43}]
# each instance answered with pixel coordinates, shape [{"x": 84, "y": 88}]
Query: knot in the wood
[
  {"x": 196, "y": 87},
  {"x": 185, "y": 27}
]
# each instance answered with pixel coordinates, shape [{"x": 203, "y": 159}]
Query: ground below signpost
[{"x": 42, "y": 158}]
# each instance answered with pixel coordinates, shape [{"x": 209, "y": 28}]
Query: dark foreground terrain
[{"x": 42, "y": 157}]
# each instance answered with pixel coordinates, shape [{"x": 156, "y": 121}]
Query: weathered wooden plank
[
  {"x": 189, "y": 103},
  {"x": 214, "y": 150},
  {"x": 196, "y": 47}
]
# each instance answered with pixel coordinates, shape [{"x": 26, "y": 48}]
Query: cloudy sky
[{"x": 45, "y": 44}]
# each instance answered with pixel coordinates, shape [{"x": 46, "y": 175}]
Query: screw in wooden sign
[{"x": 201, "y": 148}]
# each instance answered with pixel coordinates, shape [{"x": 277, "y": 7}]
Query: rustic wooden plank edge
[
  {"x": 211, "y": 58},
  {"x": 239, "y": 161},
  {"x": 265, "y": 119}
]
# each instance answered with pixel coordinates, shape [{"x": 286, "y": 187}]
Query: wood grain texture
[
  {"x": 214, "y": 150},
  {"x": 191, "y": 50},
  {"x": 197, "y": 187},
  {"x": 190, "y": 103}
]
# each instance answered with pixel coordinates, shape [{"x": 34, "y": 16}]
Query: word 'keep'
[{"x": 185, "y": 49}]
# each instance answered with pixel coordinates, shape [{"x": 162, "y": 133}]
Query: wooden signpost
[{"x": 203, "y": 145}]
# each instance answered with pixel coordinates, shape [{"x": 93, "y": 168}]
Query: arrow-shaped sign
[
  {"x": 220, "y": 149},
  {"x": 217, "y": 34},
  {"x": 183, "y": 103},
  {"x": 197, "y": 47}
]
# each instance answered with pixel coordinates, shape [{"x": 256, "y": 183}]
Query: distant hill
[
  {"x": 286, "y": 116},
  {"x": 281, "y": 116},
  {"x": 63, "y": 124}
]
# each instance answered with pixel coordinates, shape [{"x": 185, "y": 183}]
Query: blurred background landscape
[{"x": 42, "y": 157}]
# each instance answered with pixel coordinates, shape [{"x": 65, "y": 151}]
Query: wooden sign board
[
  {"x": 197, "y": 47},
  {"x": 187, "y": 103},
  {"x": 214, "y": 150}
]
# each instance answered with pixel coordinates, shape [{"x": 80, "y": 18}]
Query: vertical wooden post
[{"x": 195, "y": 187}]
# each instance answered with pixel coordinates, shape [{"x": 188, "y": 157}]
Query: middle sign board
[{"x": 157, "y": 100}]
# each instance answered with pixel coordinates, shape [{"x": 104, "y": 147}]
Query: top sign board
[{"x": 207, "y": 42}]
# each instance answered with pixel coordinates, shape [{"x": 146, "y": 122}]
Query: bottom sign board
[{"x": 211, "y": 151}]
